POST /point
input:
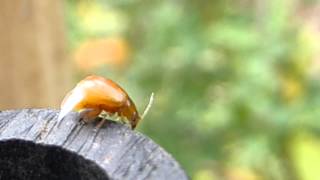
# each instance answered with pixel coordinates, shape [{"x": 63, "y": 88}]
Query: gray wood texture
[{"x": 120, "y": 151}]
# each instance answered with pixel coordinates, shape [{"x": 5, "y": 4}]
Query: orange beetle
[{"x": 94, "y": 95}]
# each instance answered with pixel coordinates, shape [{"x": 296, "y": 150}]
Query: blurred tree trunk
[{"x": 34, "y": 71}]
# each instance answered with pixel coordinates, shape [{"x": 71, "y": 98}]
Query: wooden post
[
  {"x": 39, "y": 148},
  {"x": 34, "y": 71}
]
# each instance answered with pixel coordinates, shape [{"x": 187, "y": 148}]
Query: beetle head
[{"x": 130, "y": 112}]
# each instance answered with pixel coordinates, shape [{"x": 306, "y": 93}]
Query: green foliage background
[{"x": 235, "y": 90}]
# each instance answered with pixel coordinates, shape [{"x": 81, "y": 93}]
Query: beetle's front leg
[
  {"x": 100, "y": 124},
  {"x": 103, "y": 115},
  {"x": 124, "y": 121}
]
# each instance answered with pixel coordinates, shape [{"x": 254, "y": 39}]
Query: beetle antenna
[{"x": 146, "y": 110}]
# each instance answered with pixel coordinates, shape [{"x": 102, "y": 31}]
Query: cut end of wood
[{"x": 32, "y": 143}]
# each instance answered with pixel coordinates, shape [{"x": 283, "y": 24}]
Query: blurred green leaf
[{"x": 233, "y": 80}]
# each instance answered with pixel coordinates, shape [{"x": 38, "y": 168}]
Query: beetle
[{"x": 95, "y": 95}]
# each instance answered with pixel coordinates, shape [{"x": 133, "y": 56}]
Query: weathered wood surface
[{"x": 119, "y": 151}]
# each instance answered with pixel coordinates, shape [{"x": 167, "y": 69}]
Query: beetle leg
[
  {"x": 124, "y": 121},
  {"x": 100, "y": 124},
  {"x": 103, "y": 114},
  {"x": 81, "y": 122}
]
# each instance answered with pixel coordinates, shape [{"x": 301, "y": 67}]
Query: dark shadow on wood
[{"x": 21, "y": 160}]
